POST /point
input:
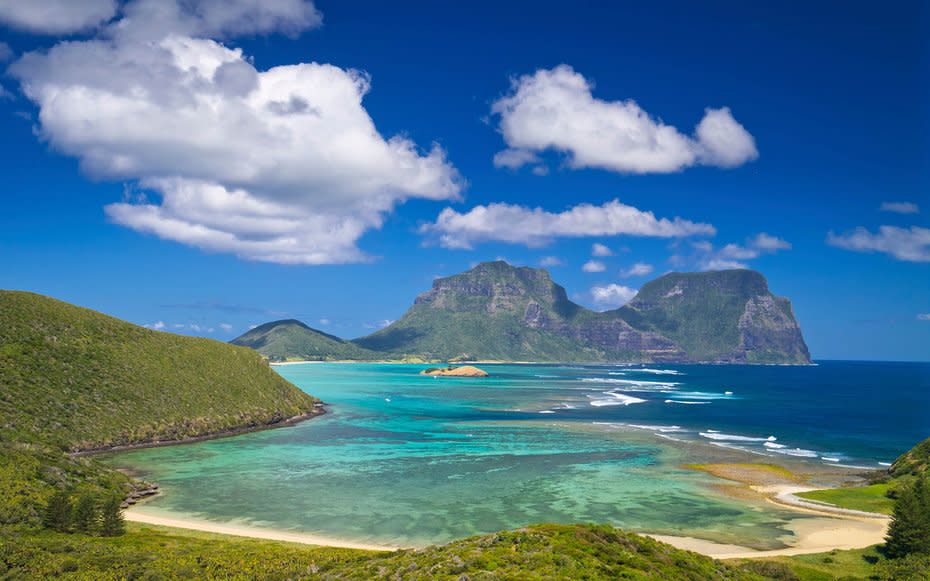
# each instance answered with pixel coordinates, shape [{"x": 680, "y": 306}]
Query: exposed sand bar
[
  {"x": 250, "y": 531},
  {"x": 815, "y": 535}
]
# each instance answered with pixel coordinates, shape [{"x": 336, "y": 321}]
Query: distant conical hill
[{"x": 290, "y": 339}]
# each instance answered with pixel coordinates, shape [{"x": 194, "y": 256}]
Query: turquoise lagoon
[{"x": 407, "y": 460}]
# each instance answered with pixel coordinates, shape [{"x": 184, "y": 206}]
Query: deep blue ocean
[{"x": 405, "y": 459}]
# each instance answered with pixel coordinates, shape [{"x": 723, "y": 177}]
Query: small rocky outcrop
[{"x": 463, "y": 371}]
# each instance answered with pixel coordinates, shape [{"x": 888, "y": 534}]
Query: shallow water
[{"x": 405, "y": 459}]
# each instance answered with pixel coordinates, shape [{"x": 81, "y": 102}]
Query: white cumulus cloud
[
  {"x": 537, "y": 227},
  {"x": 600, "y": 250},
  {"x": 54, "y": 17},
  {"x": 900, "y": 207},
  {"x": 923, "y": 317},
  {"x": 555, "y": 110},
  {"x": 594, "y": 266},
  {"x": 638, "y": 269},
  {"x": 612, "y": 295},
  {"x": 907, "y": 244},
  {"x": 281, "y": 165}
]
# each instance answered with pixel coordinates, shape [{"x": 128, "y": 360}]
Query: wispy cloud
[
  {"x": 54, "y": 17},
  {"x": 554, "y": 109},
  {"x": 735, "y": 256},
  {"x": 900, "y": 207},
  {"x": 923, "y": 317},
  {"x": 537, "y": 227},
  {"x": 594, "y": 266},
  {"x": 638, "y": 269},
  {"x": 907, "y": 244},
  {"x": 551, "y": 261},
  {"x": 218, "y": 306}
]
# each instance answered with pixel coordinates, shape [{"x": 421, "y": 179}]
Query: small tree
[
  {"x": 85, "y": 513},
  {"x": 111, "y": 517},
  {"x": 57, "y": 513},
  {"x": 909, "y": 531}
]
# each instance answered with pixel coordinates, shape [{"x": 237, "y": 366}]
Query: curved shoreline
[
  {"x": 318, "y": 410},
  {"x": 133, "y": 515}
]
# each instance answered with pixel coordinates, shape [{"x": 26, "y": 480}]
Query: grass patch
[{"x": 867, "y": 498}]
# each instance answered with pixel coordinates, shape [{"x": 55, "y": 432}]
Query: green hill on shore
[
  {"x": 73, "y": 380},
  {"x": 83, "y": 380}
]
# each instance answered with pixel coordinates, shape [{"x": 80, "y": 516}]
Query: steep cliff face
[
  {"x": 494, "y": 311},
  {"x": 497, "y": 311},
  {"x": 725, "y": 316}
]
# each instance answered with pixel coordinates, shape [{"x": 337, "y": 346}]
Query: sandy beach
[
  {"x": 135, "y": 515},
  {"x": 826, "y": 529}
]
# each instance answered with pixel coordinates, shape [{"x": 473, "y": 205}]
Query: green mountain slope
[
  {"x": 84, "y": 380},
  {"x": 721, "y": 316},
  {"x": 497, "y": 311},
  {"x": 481, "y": 314},
  {"x": 291, "y": 339}
]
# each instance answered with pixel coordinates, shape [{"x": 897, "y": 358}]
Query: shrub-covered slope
[
  {"x": 82, "y": 380},
  {"x": 539, "y": 552},
  {"x": 291, "y": 339}
]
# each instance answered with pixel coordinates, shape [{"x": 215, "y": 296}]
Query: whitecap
[
  {"x": 828, "y": 459},
  {"x": 656, "y": 428},
  {"x": 618, "y": 399},
  {"x": 884, "y": 464},
  {"x": 631, "y": 382},
  {"x": 773, "y": 445},
  {"x": 798, "y": 452},
  {"x": 547, "y": 412},
  {"x": 659, "y": 371},
  {"x": 734, "y": 437},
  {"x": 687, "y": 402}
]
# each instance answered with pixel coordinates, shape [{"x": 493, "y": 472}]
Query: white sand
[
  {"x": 134, "y": 515},
  {"x": 843, "y": 529},
  {"x": 814, "y": 535}
]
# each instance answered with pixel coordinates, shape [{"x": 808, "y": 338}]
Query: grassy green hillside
[
  {"x": 82, "y": 380},
  {"x": 72, "y": 379},
  {"x": 539, "y": 552},
  {"x": 292, "y": 340}
]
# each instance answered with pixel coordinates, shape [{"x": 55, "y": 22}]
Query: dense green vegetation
[
  {"x": 81, "y": 380},
  {"x": 496, "y": 311},
  {"x": 701, "y": 311},
  {"x": 292, "y": 340},
  {"x": 538, "y": 552},
  {"x": 869, "y": 564},
  {"x": 74, "y": 379},
  {"x": 914, "y": 462},
  {"x": 909, "y": 531}
]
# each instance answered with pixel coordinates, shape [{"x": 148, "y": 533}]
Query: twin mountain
[{"x": 499, "y": 312}]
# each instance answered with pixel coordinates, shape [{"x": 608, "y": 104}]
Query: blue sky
[{"x": 202, "y": 167}]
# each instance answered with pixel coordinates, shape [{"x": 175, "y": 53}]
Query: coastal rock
[{"x": 463, "y": 371}]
